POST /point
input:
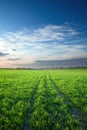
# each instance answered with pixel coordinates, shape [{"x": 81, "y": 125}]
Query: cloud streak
[
  {"x": 51, "y": 42},
  {"x": 3, "y": 54}
]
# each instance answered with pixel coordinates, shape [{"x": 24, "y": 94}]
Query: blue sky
[{"x": 42, "y": 30}]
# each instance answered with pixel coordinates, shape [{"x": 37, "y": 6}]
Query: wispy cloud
[
  {"x": 14, "y": 59},
  {"x": 49, "y": 42},
  {"x": 3, "y": 54}
]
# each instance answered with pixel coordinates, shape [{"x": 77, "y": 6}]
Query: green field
[{"x": 43, "y": 99}]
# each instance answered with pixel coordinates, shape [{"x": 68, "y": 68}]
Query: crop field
[{"x": 43, "y": 99}]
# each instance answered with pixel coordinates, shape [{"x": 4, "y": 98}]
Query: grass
[{"x": 43, "y": 99}]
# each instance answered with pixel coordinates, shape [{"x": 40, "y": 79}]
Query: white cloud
[{"x": 48, "y": 42}]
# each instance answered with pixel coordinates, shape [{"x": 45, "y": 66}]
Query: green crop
[{"x": 43, "y": 99}]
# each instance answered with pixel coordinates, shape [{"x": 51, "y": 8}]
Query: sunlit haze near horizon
[{"x": 43, "y": 33}]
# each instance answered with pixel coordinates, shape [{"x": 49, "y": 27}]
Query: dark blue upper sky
[{"x": 15, "y": 14}]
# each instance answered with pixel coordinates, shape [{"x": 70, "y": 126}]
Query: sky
[{"x": 43, "y": 33}]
